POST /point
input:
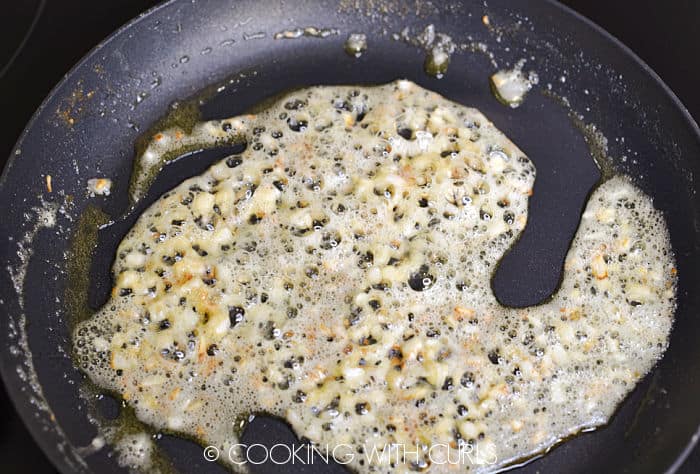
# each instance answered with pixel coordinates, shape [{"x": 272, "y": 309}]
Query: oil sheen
[{"x": 337, "y": 274}]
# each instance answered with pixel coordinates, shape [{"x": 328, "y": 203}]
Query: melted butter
[
  {"x": 356, "y": 44},
  {"x": 337, "y": 274},
  {"x": 83, "y": 244},
  {"x": 511, "y": 85},
  {"x": 438, "y": 47},
  {"x": 309, "y": 31}
]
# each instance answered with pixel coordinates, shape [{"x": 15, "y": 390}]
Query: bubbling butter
[{"x": 337, "y": 274}]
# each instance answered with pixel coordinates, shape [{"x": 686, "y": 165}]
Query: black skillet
[{"x": 90, "y": 122}]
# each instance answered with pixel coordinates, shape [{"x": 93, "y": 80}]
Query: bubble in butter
[{"x": 337, "y": 274}]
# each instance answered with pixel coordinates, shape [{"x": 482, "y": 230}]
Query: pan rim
[
  {"x": 66, "y": 77},
  {"x": 626, "y": 50},
  {"x": 55, "y": 456},
  {"x": 14, "y": 393}
]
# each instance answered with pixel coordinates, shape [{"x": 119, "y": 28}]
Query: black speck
[
  {"x": 404, "y": 132},
  {"x": 367, "y": 340},
  {"x": 366, "y": 260},
  {"x": 448, "y": 384},
  {"x": 422, "y": 279},
  {"x": 362, "y": 408},
  {"x": 311, "y": 272},
  {"x": 297, "y": 125},
  {"x": 467, "y": 379},
  {"x": 299, "y": 397},
  {"x": 235, "y": 315},
  {"x": 233, "y": 161},
  {"x": 508, "y": 217}
]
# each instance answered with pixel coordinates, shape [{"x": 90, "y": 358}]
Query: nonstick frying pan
[{"x": 590, "y": 85}]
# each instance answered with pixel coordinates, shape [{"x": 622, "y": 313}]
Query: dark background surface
[{"x": 40, "y": 40}]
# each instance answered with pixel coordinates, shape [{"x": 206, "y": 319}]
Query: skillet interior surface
[{"x": 89, "y": 124}]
